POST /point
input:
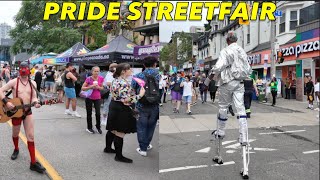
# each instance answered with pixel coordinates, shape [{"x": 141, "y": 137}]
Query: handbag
[
  {"x": 105, "y": 93},
  {"x": 86, "y": 94}
]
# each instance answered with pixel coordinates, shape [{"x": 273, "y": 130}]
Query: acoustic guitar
[{"x": 17, "y": 112}]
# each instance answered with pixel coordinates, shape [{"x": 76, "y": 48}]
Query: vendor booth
[{"x": 119, "y": 50}]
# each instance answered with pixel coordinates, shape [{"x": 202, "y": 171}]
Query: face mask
[{"x": 24, "y": 71}]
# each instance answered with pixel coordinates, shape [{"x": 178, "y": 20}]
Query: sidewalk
[{"x": 299, "y": 116}]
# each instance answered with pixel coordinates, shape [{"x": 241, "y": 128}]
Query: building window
[
  {"x": 216, "y": 27},
  {"x": 282, "y": 27},
  {"x": 207, "y": 52},
  {"x": 293, "y": 20},
  {"x": 248, "y": 35}
]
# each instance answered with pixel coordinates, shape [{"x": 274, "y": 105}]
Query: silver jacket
[{"x": 222, "y": 66}]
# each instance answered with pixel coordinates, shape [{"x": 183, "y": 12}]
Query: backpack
[
  {"x": 240, "y": 68},
  {"x": 152, "y": 95}
]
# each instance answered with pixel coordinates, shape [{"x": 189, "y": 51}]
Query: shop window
[
  {"x": 282, "y": 27},
  {"x": 293, "y": 20}
]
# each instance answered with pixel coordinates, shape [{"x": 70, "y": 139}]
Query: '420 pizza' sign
[{"x": 300, "y": 48}]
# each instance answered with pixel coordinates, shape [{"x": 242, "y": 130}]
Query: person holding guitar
[{"x": 22, "y": 88}]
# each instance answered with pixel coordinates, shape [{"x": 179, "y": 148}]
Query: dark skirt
[{"x": 121, "y": 118}]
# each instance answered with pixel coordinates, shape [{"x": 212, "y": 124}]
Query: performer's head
[
  {"x": 231, "y": 37},
  {"x": 24, "y": 69}
]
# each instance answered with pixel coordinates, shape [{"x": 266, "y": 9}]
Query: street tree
[{"x": 184, "y": 48}]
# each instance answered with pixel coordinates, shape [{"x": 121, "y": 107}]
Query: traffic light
[{"x": 280, "y": 57}]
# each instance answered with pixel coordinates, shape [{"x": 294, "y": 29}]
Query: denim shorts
[
  {"x": 70, "y": 92},
  {"x": 49, "y": 84},
  {"x": 188, "y": 99}
]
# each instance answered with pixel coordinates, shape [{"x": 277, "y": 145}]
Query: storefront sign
[
  {"x": 254, "y": 59},
  {"x": 300, "y": 48}
]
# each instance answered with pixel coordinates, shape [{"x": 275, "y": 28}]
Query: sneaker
[
  {"x": 76, "y": 114},
  {"x": 37, "y": 167},
  {"x": 189, "y": 113},
  {"x": 67, "y": 111},
  {"x": 142, "y": 153},
  {"x": 99, "y": 131},
  {"x": 91, "y": 131},
  {"x": 160, "y": 105},
  {"x": 149, "y": 147}
]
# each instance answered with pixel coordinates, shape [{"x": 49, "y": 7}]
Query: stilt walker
[{"x": 232, "y": 68}]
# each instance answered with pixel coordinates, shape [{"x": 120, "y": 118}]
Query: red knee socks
[
  {"x": 16, "y": 143},
  {"x": 32, "y": 152}
]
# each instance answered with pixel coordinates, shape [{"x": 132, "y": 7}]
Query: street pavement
[
  {"x": 72, "y": 152},
  {"x": 284, "y": 138}
]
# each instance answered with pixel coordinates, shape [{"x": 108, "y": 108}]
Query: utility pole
[{"x": 272, "y": 41}]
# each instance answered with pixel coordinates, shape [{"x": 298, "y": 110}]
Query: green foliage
[
  {"x": 184, "y": 53},
  {"x": 42, "y": 36}
]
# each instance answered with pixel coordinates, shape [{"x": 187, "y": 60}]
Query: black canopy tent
[{"x": 119, "y": 50}]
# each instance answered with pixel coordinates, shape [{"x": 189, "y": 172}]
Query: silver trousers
[{"x": 232, "y": 91}]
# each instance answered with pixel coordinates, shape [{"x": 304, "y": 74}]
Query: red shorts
[{"x": 17, "y": 121}]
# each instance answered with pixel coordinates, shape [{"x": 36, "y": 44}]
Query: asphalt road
[{"x": 276, "y": 155}]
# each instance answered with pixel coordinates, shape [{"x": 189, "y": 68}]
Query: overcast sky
[
  {"x": 169, "y": 27},
  {"x": 8, "y": 9}
]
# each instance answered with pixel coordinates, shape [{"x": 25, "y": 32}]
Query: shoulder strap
[{"x": 17, "y": 86}]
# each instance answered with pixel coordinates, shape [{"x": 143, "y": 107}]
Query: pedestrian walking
[
  {"x": 212, "y": 89},
  {"x": 95, "y": 84},
  {"x": 166, "y": 81},
  {"x": 38, "y": 79},
  {"x": 107, "y": 85},
  {"x": 50, "y": 80},
  {"x": 317, "y": 94},
  {"x": 69, "y": 89},
  {"x": 203, "y": 89},
  {"x": 187, "y": 93},
  {"x": 274, "y": 90},
  {"x": 310, "y": 92},
  {"x": 249, "y": 88},
  {"x": 162, "y": 87},
  {"x": 147, "y": 106},
  {"x": 121, "y": 119},
  {"x": 59, "y": 85},
  {"x": 23, "y": 89},
  {"x": 195, "y": 80},
  {"x": 176, "y": 91},
  {"x": 288, "y": 88}
]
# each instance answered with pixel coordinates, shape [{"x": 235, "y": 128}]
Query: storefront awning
[{"x": 286, "y": 63}]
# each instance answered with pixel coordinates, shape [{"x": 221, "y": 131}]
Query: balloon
[{"x": 139, "y": 81}]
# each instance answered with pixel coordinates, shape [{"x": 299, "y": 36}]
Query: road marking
[
  {"x": 228, "y": 142},
  {"x": 194, "y": 167},
  {"x": 236, "y": 145},
  {"x": 182, "y": 168},
  {"x": 205, "y": 150},
  {"x": 197, "y": 135},
  {"x": 283, "y": 132},
  {"x": 262, "y": 149},
  {"x": 309, "y": 152},
  {"x": 230, "y": 151},
  {"x": 224, "y": 164},
  {"x": 50, "y": 171}
]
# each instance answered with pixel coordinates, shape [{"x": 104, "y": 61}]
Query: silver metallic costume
[{"x": 231, "y": 89}]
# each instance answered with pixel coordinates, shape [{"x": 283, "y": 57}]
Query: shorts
[
  {"x": 49, "y": 84},
  {"x": 188, "y": 99},
  {"x": 70, "y": 92},
  {"x": 17, "y": 121},
  {"x": 176, "y": 96}
]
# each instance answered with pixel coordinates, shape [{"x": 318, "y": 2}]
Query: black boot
[
  {"x": 231, "y": 111},
  {"x": 109, "y": 140},
  {"x": 118, "y": 144},
  {"x": 15, "y": 154},
  {"x": 37, "y": 167}
]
